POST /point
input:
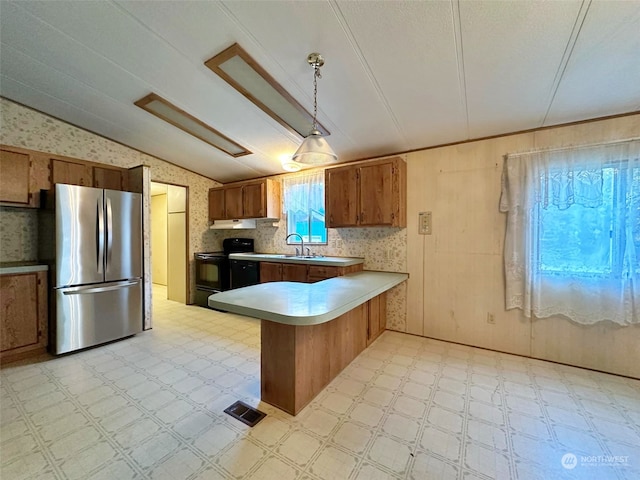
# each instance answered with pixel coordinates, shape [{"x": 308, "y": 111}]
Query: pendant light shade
[{"x": 314, "y": 149}]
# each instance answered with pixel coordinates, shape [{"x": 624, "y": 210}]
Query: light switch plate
[{"x": 424, "y": 223}]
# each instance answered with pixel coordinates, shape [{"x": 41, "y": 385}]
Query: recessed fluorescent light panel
[
  {"x": 244, "y": 74},
  {"x": 168, "y": 112}
]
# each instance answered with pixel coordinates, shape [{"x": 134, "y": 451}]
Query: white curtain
[
  {"x": 304, "y": 193},
  {"x": 573, "y": 233}
]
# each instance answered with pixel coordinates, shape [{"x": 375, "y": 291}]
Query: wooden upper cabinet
[
  {"x": 341, "y": 197},
  {"x": 14, "y": 177},
  {"x": 108, "y": 178},
  {"x": 216, "y": 204},
  {"x": 72, "y": 173},
  {"x": 376, "y": 194},
  {"x": 24, "y": 173},
  {"x": 233, "y": 203},
  {"x": 367, "y": 194},
  {"x": 253, "y": 199}
]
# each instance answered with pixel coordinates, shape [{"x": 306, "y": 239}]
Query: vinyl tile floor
[{"x": 151, "y": 406}]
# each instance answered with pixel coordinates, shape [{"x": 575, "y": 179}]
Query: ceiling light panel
[
  {"x": 177, "y": 117},
  {"x": 243, "y": 73}
]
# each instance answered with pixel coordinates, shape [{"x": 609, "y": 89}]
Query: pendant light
[{"x": 314, "y": 149}]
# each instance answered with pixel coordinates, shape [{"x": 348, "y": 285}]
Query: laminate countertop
[
  {"x": 294, "y": 303},
  {"x": 21, "y": 267},
  {"x": 304, "y": 260}
]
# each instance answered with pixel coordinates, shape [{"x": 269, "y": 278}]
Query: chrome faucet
[{"x": 301, "y": 243}]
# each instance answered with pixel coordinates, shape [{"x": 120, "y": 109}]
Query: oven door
[
  {"x": 212, "y": 273},
  {"x": 202, "y": 296}
]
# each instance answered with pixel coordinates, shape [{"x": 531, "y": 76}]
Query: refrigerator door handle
[
  {"x": 107, "y": 288},
  {"x": 109, "y": 233},
  {"x": 100, "y": 236}
]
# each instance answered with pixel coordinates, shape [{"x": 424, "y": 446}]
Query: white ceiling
[{"x": 398, "y": 75}]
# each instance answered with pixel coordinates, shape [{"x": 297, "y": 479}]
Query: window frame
[
  {"x": 290, "y": 228},
  {"x": 616, "y": 236}
]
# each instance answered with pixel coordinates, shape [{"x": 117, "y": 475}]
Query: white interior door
[
  {"x": 169, "y": 239},
  {"x": 177, "y": 243},
  {"x": 159, "y": 239}
]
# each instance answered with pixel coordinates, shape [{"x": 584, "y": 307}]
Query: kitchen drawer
[{"x": 320, "y": 272}]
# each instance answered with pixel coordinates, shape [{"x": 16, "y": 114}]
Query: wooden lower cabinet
[
  {"x": 292, "y": 272},
  {"x": 319, "y": 272},
  {"x": 23, "y": 300},
  {"x": 270, "y": 272},
  {"x": 297, "y": 362},
  {"x": 295, "y": 272},
  {"x": 283, "y": 272}
]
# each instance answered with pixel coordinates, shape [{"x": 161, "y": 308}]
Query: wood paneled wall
[{"x": 456, "y": 274}]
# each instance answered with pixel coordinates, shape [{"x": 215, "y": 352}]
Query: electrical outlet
[
  {"x": 424, "y": 223},
  {"x": 491, "y": 319}
]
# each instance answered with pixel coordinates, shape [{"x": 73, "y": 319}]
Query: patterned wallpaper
[
  {"x": 382, "y": 248},
  {"x": 18, "y": 234},
  {"x": 23, "y": 127}
]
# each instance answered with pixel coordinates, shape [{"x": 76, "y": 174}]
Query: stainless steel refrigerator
[{"x": 98, "y": 288}]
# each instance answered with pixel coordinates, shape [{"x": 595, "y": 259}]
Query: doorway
[{"x": 169, "y": 239}]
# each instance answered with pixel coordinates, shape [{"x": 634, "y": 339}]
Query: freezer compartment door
[
  {"x": 91, "y": 315},
  {"x": 123, "y": 241},
  {"x": 79, "y": 235}
]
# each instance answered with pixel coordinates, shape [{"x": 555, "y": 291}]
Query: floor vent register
[{"x": 245, "y": 413}]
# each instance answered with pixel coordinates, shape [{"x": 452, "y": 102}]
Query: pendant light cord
[{"x": 316, "y": 75}]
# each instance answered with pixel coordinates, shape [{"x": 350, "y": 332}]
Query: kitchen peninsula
[{"x": 311, "y": 332}]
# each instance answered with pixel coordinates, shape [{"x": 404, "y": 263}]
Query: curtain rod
[{"x": 588, "y": 145}]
